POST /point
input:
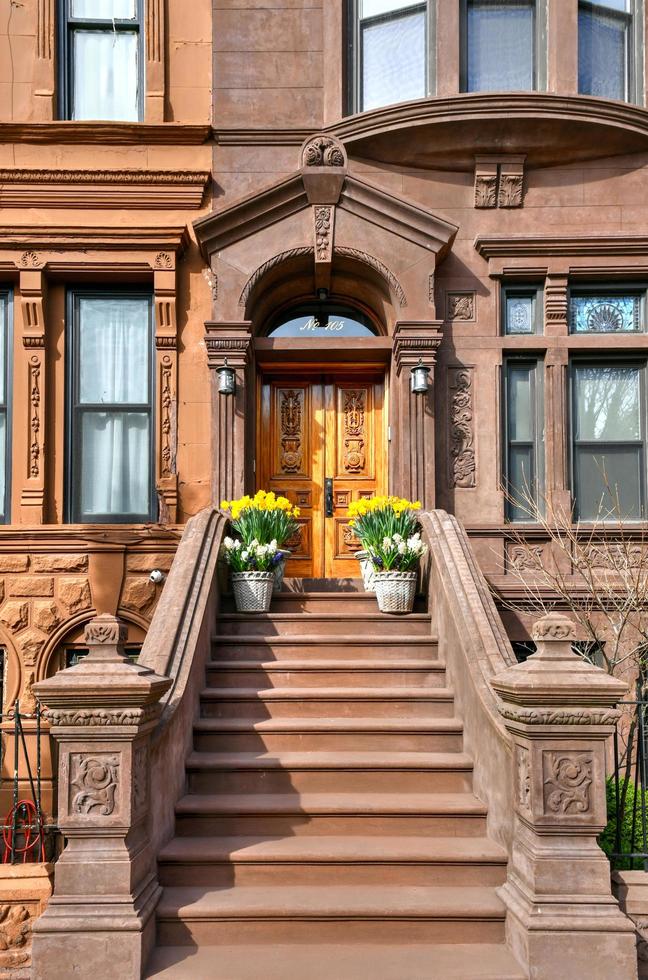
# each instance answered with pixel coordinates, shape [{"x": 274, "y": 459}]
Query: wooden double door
[{"x": 322, "y": 443}]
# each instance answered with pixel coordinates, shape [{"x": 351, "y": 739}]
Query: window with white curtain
[
  {"x": 110, "y": 418},
  {"x": 605, "y": 29},
  {"x": 391, "y": 52},
  {"x": 499, "y": 45},
  {"x": 101, "y": 59},
  {"x": 5, "y": 401}
]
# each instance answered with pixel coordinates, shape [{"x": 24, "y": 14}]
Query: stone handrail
[
  {"x": 474, "y": 647},
  {"x": 177, "y": 646}
]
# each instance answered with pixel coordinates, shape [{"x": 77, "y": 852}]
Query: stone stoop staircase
[{"x": 329, "y": 829}]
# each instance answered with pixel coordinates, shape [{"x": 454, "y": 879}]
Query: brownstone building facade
[{"x": 320, "y": 196}]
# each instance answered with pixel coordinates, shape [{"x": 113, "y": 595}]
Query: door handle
[{"x": 328, "y": 497}]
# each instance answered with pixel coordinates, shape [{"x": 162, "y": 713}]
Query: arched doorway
[{"x": 321, "y": 425}]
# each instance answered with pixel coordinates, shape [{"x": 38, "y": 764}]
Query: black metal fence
[
  {"x": 25, "y": 835},
  {"x": 625, "y": 839}
]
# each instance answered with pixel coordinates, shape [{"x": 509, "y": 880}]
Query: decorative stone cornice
[
  {"x": 231, "y": 341},
  {"x": 561, "y": 716},
  {"x": 416, "y": 340},
  {"x": 171, "y": 134},
  {"x": 558, "y": 245},
  {"x": 101, "y": 718},
  {"x": 151, "y": 189},
  {"x": 48, "y": 238}
]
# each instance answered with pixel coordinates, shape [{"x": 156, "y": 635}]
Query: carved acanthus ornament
[
  {"x": 324, "y": 219},
  {"x": 567, "y": 777},
  {"x": 554, "y": 628},
  {"x": 323, "y": 151},
  {"x": 101, "y": 718},
  {"x": 485, "y": 191},
  {"x": 461, "y": 306},
  {"x": 526, "y": 557},
  {"x": 462, "y": 449},
  {"x": 354, "y": 431},
  {"x": 291, "y": 431},
  {"x": 561, "y": 716},
  {"x": 499, "y": 182},
  {"x": 107, "y": 631}
]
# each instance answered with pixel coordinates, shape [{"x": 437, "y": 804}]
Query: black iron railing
[
  {"x": 25, "y": 836},
  {"x": 625, "y": 839}
]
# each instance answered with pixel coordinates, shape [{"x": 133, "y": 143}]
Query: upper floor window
[
  {"x": 522, "y": 309},
  {"x": 604, "y": 47},
  {"x": 390, "y": 40},
  {"x": 499, "y": 45},
  {"x": 5, "y": 402},
  {"x": 607, "y": 311},
  {"x": 101, "y": 59},
  {"x": 110, "y": 451}
]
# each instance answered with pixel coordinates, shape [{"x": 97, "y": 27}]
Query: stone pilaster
[
  {"x": 231, "y": 425},
  {"x": 562, "y": 918},
  {"x": 412, "y": 471},
  {"x": 99, "y": 922}
]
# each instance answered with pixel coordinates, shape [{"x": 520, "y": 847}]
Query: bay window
[
  {"x": 605, "y": 44},
  {"x": 499, "y": 45},
  {"x": 110, "y": 450},
  {"x": 523, "y": 413},
  {"x": 609, "y": 440},
  {"x": 101, "y": 58},
  {"x": 390, "y": 41}
]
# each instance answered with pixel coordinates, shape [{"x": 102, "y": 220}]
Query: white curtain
[
  {"x": 393, "y": 61},
  {"x": 105, "y": 75},
  {"x": 500, "y": 46},
  {"x": 114, "y": 357},
  {"x": 104, "y": 9}
]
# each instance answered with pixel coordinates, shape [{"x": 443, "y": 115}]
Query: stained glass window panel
[
  {"x": 520, "y": 314},
  {"x": 606, "y": 314}
]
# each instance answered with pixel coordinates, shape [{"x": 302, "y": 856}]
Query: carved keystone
[
  {"x": 560, "y": 710},
  {"x": 323, "y": 163},
  {"x": 102, "y": 713}
]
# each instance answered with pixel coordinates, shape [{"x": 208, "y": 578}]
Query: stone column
[
  {"x": 100, "y": 922},
  {"x": 562, "y": 918},
  {"x": 411, "y": 453}
]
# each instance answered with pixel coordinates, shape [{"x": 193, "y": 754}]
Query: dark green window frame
[
  {"x": 75, "y": 409},
  {"x": 533, "y": 485},
  {"x": 355, "y": 29},
  {"x": 66, "y": 27}
]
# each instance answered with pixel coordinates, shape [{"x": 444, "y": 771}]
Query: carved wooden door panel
[
  {"x": 311, "y": 428},
  {"x": 354, "y": 460}
]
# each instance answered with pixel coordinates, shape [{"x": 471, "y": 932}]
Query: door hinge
[{"x": 389, "y": 433}]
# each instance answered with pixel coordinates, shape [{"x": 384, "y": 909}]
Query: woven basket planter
[
  {"x": 367, "y": 569},
  {"x": 395, "y": 591},
  {"x": 253, "y": 590}
]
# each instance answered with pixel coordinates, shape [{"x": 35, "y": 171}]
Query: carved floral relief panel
[
  {"x": 462, "y": 428},
  {"x": 291, "y": 430},
  {"x": 94, "y": 783},
  {"x": 567, "y": 779}
]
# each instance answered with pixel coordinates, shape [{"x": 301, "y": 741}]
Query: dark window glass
[
  {"x": 74, "y": 655},
  {"x": 604, "y": 40},
  {"x": 110, "y": 446},
  {"x": 5, "y": 402},
  {"x": 523, "y": 649},
  {"x": 522, "y": 425},
  {"x": 322, "y": 320},
  {"x": 500, "y": 45},
  {"x": 392, "y": 42},
  {"x": 608, "y": 441},
  {"x": 101, "y": 59}
]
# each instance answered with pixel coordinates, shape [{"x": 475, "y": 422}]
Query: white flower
[
  {"x": 388, "y": 543},
  {"x": 229, "y": 543},
  {"x": 402, "y": 547},
  {"x": 273, "y": 545},
  {"x": 398, "y": 537},
  {"x": 245, "y": 555}
]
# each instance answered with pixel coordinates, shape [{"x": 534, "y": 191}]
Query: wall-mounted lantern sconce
[
  {"x": 420, "y": 380},
  {"x": 226, "y": 379},
  {"x": 322, "y": 294}
]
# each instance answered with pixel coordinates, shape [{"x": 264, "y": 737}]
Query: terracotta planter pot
[
  {"x": 395, "y": 591},
  {"x": 253, "y": 590}
]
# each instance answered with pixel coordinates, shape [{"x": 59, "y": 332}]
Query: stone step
[
  {"x": 344, "y": 646},
  {"x": 357, "y": 961},
  {"x": 325, "y": 673},
  {"x": 329, "y": 913},
  {"x": 342, "y": 603},
  {"x": 326, "y": 772},
  {"x": 287, "y": 624},
  {"x": 333, "y": 702},
  {"x": 424, "y": 861},
  {"x": 331, "y": 814},
  {"x": 317, "y": 734}
]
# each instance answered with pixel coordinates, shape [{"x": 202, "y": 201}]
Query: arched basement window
[{"x": 322, "y": 320}]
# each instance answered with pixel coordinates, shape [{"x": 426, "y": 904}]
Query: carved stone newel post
[
  {"x": 561, "y": 917},
  {"x": 100, "y": 923}
]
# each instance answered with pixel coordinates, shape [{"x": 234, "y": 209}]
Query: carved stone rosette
[
  {"x": 102, "y": 713},
  {"x": 559, "y": 711}
]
